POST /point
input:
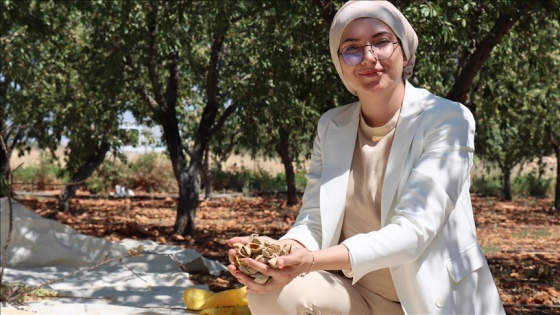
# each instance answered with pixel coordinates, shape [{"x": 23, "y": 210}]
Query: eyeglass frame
[{"x": 395, "y": 44}]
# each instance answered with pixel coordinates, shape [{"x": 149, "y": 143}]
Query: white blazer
[{"x": 427, "y": 238}]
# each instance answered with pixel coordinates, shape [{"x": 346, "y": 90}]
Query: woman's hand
[
  {"x": 232, "y": 253},
  {"x": 289, "y": 266},
  {"x": 244, "y": 240}
]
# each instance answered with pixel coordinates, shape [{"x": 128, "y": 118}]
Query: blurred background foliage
[{"x": 217, "y": 78}]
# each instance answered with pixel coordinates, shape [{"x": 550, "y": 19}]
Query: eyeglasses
[{"x": 354, "y": 54}]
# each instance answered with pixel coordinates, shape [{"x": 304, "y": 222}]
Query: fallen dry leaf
[{"x": 520, "y": 239}]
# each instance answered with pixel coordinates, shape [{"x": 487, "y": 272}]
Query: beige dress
[{"x": 363, "y": 198}]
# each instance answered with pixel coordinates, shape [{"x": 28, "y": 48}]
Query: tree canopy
[{"x": 219, "y": 76}]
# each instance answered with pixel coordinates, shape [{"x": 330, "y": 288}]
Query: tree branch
[
  {"x": 460, "y": 90},
  {"x": 153, "y": 67},
  {"x": 140, "y": 89},
  {"x": 172, "y": 82},
  {"x": 551, "y": 137},
  {"x": 212, "y": 93},
  {"x": 222, "y": 119}
]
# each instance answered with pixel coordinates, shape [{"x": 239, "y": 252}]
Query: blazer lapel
[
  {"x": 337, "y": 152},
  {"x": 404, "y": 133}
]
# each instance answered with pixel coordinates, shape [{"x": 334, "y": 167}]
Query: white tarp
[{"x": 43, "y": 250}]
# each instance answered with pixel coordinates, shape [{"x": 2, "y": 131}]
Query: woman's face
[{"x": 371, "y": 76}]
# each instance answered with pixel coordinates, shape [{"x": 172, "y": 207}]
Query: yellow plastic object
[{"x": 229, "y": 302}]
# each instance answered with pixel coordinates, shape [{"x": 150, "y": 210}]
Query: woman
[{"x": 386, "y": 225}]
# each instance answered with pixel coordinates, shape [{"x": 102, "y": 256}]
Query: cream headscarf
[{"x": 379, "y": 9}]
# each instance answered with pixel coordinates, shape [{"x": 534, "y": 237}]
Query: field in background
[
  {"x": 272, "y": 166},
  {"x": 153, "y": 172}
]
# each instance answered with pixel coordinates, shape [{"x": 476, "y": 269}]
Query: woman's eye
[
  {"x": 351, "y": 49},
  {"x": 382, "y": 43}
]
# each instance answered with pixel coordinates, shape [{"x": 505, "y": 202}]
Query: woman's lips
[{"x": 371, "y": 72}]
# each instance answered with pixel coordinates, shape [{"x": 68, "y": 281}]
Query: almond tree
[
  {"x": 298, "y": 83},
  {"x": 18, "y": 112},
  {"x": 181, "y": 57},
  {"x": 516, "y": 88},
  {"x": 62, "y": 88},
  {"x": 547, "y": 95}
]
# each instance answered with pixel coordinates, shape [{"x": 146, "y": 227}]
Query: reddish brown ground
[{"x": 521, "y": 239}]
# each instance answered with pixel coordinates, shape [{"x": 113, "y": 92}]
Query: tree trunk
[
  {"x": 4, "y": 170},
  {"x": 557, "y": 188},
  {"x": 188, "y": 179},
  {"x": 283, "y": 149},
  {"x": 507, "y": 184},
  {"x": 189, "y": 189},
  {"x": 81, "y": 175},
  {"x": 5, "y": 153},
  {"x": 9, "y": 141},
  {"x": 207, "y": 177}
]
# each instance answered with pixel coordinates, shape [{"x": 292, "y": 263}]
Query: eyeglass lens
[{"x": 353, "y": 55}]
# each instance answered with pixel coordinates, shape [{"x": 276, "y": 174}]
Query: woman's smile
[{"x": 371, "y": 73}]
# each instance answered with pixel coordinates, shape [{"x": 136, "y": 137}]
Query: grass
[
  {"x": 20, "y": 293},
  {"x": 490, "y": 249},
  {"x": 533, "y": 233}
]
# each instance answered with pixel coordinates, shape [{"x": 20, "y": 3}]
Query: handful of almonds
[{"x": 264, "y": 252}]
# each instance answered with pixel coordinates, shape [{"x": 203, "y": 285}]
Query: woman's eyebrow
[
  {"x": 350, "y": 39},
  {"x": 381, "y": 34}
]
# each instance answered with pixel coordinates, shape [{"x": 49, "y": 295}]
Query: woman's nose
[{"x": 368, "y": 50}]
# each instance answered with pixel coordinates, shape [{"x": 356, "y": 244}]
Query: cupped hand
[
  {"x": 244, "y": 240},
  {"x": 290, "y": 266}
]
